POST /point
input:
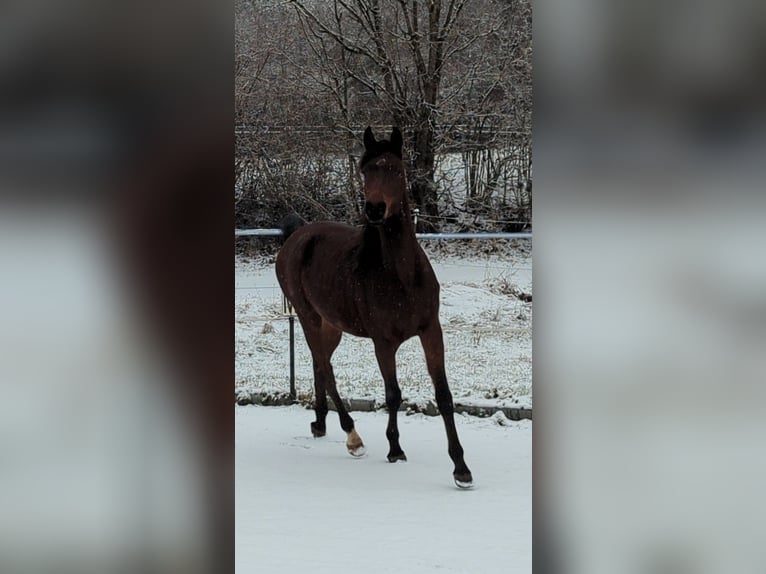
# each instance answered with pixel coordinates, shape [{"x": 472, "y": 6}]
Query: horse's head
[{"x": 385, "y": 185}]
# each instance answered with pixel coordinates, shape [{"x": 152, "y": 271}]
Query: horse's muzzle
[{"x": 375, "y": 212}]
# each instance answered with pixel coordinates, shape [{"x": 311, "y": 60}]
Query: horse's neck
[{"x": 399, "y": 247}]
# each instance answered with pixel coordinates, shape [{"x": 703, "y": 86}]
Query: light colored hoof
[
  {"x": 355, "y": 445},
  {"x": 463, "y": 485},
  {"x": 357, "y": 452}
]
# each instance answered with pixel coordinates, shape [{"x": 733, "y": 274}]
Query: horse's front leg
[
  {"x": 386, "y": 355},
  {"x": 433, "y": 346}
]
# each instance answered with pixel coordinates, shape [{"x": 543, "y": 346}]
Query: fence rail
[
  {"x": 426, "y": 236},
  {"x": 287, "y": 309}
]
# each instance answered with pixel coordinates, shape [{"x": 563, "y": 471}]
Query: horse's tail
[{"x": 290, "y": 223}]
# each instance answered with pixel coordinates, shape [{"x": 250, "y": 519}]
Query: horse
[{"x": 373, "y": 281}]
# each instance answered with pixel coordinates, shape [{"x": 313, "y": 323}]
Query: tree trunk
[{"x": 421, "y": 175}]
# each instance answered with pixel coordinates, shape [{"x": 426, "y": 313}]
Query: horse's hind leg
[
  {"x": 312, "y": 331},
  {"x": 323, "y": 343},
  {"x": 319, "y": 427},
  {"x": 386, "y": 355},
  {"x": 433, "y": 345}
]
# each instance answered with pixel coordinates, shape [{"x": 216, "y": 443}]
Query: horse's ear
[
  {"x": 396, "y": 140},
  {"x": 369, "y": 138}
]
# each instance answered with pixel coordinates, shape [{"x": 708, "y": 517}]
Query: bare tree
[
  {"x": 455, "y": 75},
  {"x": 403, "y": 47}
]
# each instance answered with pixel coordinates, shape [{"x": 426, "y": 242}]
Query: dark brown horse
[{"x": 376, "y": 282}]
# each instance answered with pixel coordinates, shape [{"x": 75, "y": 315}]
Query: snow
[
  {"x": 305, "y": 505},
  {"x": 487, "y": 332}
]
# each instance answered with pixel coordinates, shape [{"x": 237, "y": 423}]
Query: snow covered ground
[
  {"x": 487, "y": 329},
  {"x": 305, "y": 505}
]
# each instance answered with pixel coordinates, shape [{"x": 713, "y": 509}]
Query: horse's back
[
  {"x": 300, "y": 252},
  {"x": 310, "y": 234}
]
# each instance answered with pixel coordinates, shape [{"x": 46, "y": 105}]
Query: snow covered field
[
  {"x": 487, "y": 330},
  {"x": 305, "y": 505}
]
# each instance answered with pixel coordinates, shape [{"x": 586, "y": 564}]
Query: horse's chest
[{"x": 390, "y": 308}]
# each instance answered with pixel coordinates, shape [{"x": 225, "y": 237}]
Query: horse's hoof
[
  {"x": 317, "y": 431},
  {"x": 396, "y": 457},
  {"x": 463, "y": 480},
  {"x": 354, "y": 444},
  {"x": 357, "y": 452}
]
